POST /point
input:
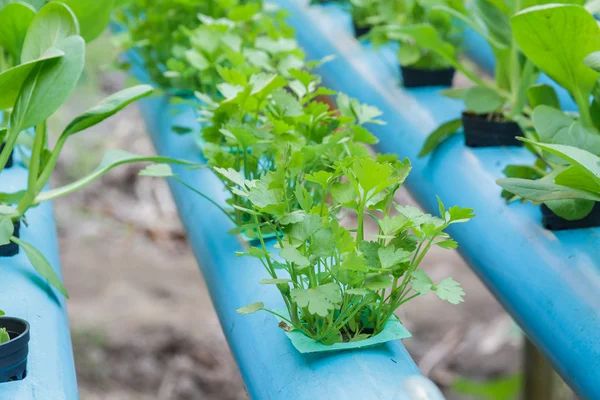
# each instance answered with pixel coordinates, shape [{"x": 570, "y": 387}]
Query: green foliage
[
  {"x": 428, "y": 37},
  {"x": 209, "y": 39},
  {"x": 342, "y": 287},
  {"x": 4, "y": 337},
  {"x": 37, "y": 82},
  {"x": 506, "y": 388}
]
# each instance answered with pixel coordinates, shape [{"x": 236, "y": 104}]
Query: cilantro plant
[
  {"x": 269, "y": 127},
  {"x": 51, "y": 63},
  {"x": 565, "y": 144},
  {"x": 243, "y": 35},
  {"x": 250, "y": 40},
  {"x": 155, "y": 29},
  {"x": 341, "y": 284},
  {"x": 369, "y": 13},
  {"x": 411, "y": 53}
]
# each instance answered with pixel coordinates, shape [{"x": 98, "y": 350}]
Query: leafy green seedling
[
  {"x": 544, "y": 34},
  {"x": 4, "y": 336},
  {"x": 52, "y": 58},
  {"x": 340, "y": 286},
  {"x": 506, "y": 98},
  {"x": 399, "y": 25}
]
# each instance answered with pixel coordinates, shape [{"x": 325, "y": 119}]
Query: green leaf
[
  {"x": 571, "y": 209},
  {"x": 447, "y": 244},
  {"x": 231, "y": 174},
  {"x": 49, "y": 85},
  {"x": 458, "y": 215},
  {"x": 320, "y": 300},
  {"x": 438, "y": 136},
  {"x": 555, "y": 127},
  {"x": 592, "y": 60},
  {"x": 389, "y": 256},
  {"x": 111, "y": 160},
  {"x": 429, "y": 38},
  {"x": 252, "y": 308},
  {"x": 542, "y": 191},
  {"x": 421, "y": 282},
  {"x": 354, "y": 262},
  {"x": 157, "y": 171},
  {"x": 343, "y": 193},
  {"x": 557, "y": 38},
  {"x": 320, "y": 177},
  {"x": 589, "y": 163},
  {"x": 2, "y": 313},
  {"x": 450, "y": 290},
  {"x": 12, "y": 79},
  {"x": 107, "y": 108},
  {"x": 4, "y": 336},
  {"x": 6, "y": 230},
  {"x": 305, "y": 229},
  {"x": 93, "y": 16},
  {"x": 292, "y": 255},
  {"x": 15, "y": 21},
  {"x": 54, "y": 23},
  {"x": 542, "y": 94},
  {"x": 377, "y": 281},
  {"x": 41, "y": 265},
  {"x": 483, "y": 100}
]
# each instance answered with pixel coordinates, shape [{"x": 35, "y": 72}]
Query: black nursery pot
[
  {"x": 479, "y": 132},
  {"x": 13, "y": 354},
  {"x": 416, "y": 77},
  {"x": 10, "y": 157},
  {"x": 12, "y": 249},
  {"x": 553, "y": 222}
]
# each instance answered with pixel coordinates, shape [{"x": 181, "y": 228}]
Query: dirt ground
[{"x": 126, "y": 262}]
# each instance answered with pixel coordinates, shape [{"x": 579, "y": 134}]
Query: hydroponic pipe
[
  {"x": 270, "y": 366},
  {"x": 548, "y": 281},
  {"x": 23, "y": 294}
]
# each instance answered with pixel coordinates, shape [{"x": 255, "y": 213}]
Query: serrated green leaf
[
  {"x": 320, "y": 301},
  {"x": 450, "y": 290},
  {"x": 292, "y": 255},
  {"x": 421, "y": 282},
  {"x": 389, "y": 256}
]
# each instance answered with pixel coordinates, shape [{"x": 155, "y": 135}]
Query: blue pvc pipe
[
  {"x": 23, "y": 294},
  {"x": 548, "y": 281},
  {"x": 270, "y": 366}
]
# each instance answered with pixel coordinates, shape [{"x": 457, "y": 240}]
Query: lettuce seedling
[
  {"x": 506, "y": 98},
  {"x": 411, "y": 53},
  {"x": 4, "y": 336},
  {"x": 544, "y": 34},
  {"x": 51, "y": 63},
  {"x": 341, "y": 284}
]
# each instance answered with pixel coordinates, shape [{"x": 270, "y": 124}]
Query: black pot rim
[
  {"x": 474, "y": 116},
  {"x": 20, "y": 340}
]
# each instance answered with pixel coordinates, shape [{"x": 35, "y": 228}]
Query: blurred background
[{"x": 126, "y": 262}]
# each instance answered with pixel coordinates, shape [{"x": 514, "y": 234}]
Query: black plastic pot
[
  {"x": 480, "y": 132},
  {"x": 13, "y": 354},
  {"x": 360, "y": 30},
  {"x": 553, "y": 222},
  {"x": 11, "y": 249},
  {"x": 416, "y": 77},
  {"x": 10, "y": 157}
]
